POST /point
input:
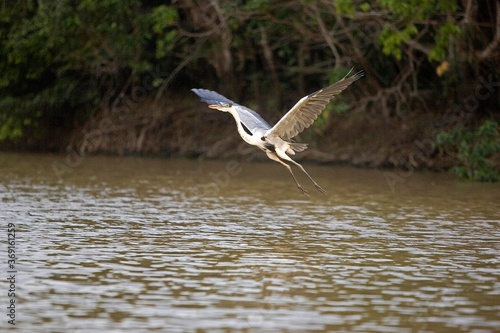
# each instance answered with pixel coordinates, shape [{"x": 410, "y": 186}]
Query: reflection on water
[{"x": 142, "y": 245}]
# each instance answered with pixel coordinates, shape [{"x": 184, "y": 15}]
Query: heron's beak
[{"x": 214, "y": 106}]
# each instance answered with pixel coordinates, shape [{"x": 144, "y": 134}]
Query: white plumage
[{"x": 275, "y": 141}]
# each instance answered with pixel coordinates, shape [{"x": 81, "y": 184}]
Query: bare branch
[
  {"x": 268, "y": 56},
  {"x": 486, "y": 53},
  {"x": 326, "y": 35}
]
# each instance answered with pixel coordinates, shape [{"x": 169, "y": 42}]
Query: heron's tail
[{"x": 296, "y": 147}]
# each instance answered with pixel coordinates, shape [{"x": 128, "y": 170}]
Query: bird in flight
[{"x": 276, "y": 141}]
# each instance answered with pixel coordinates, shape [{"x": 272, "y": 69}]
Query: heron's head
[{"x": 224, "y": 107}]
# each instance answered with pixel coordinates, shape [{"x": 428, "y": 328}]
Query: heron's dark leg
[
  {"x": 315, "y": 184},
  {"x": 274, "y": 157},
  {"x": 304, "y": 170}
]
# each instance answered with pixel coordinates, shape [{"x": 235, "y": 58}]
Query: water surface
[{"x": 110, "y": 244}]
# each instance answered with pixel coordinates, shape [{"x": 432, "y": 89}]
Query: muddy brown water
[{"x": 111, "y": 244}]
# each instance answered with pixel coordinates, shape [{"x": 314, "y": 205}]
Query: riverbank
[
  {"x": 184, "y": 127},
  {"x": 192, "y": 130}
]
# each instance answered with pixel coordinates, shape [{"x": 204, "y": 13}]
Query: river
[{"x": 126, "y": 244}]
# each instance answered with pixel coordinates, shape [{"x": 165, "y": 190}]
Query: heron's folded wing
[{"x": 305, "y": 112}]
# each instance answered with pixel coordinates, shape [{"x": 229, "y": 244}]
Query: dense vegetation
[{"x": 65, "y": 64}]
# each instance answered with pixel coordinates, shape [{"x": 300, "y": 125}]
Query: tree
[{"x": 64, "y": 63}]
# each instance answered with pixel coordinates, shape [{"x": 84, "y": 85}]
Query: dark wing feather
[
  {"x": 305, "y": 112},
  {"x": 211, "y": 97}
]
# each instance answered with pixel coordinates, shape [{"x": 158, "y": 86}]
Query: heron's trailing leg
[
  {"x": 276, "y": 158},
  {"x": 315, "y": 184},
  {"x": 304, "y": 170}
]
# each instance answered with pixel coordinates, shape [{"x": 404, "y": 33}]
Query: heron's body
[{"x": 275, "y": 140}]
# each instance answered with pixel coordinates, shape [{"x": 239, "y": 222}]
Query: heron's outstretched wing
[
  {"x": 211, "y": 97},
  {"x": 251, "y": 119},
  {"x": 305, "y": 112}
]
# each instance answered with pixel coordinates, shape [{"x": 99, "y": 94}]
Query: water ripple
[{"x": 149, "y": 255}]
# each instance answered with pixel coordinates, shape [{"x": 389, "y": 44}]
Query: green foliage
[
  {"x": 163, "y": 20},
  {"x": 349, "y": 7},
  {"x": 475, "y": 150},
  {"x": 365, "y": 7},
  {"x": 444, "y": 36},
  {"x": 55, "y": 52},
  {"x": 346, "y": 7},
  {"x": 260, "y": 5},
  {"x": 392, "y": 40},
  {"x": 418, "y": 10},
  {"x": 408, "y": 16}
]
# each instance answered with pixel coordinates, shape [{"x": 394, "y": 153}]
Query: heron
[{"x": 276, "y": 141}]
